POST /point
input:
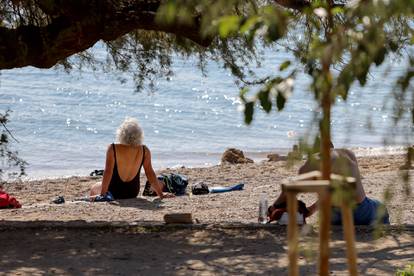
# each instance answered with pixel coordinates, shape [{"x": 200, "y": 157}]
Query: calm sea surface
[{"x": 64, "y": 122}]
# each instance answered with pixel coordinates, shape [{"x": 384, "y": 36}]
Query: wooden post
[
  {"x": 349, "y": 236},
  {"x": 293, "y": 235},
  {"x": 321, "y": 187},
  {"x": 324, "y": 231}
]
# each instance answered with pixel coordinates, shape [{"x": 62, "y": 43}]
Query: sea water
[{"x": 64, "y": 122}]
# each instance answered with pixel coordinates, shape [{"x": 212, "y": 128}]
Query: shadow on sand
[
  {"x": 160, "y": 250},
  {"x": 141, "y": 203}
]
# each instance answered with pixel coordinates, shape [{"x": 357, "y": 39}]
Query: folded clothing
[{"x": 221, "y": 189}]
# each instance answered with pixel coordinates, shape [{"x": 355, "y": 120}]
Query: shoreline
[{"x": 206, "y": 160}]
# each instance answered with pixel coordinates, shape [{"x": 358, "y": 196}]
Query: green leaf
[
  {"x": 228, "y": 24},
  {"x": 167, "y": 12},
  {"x": 284, "y": 65},
  {"x": 393, "y": 45},
  {"x": 248, "y": 112},
  {"x": 265, "y": 101},
  {"x": 280, "y": 101},
  {"x": 337, "y": 10},
  {"x": 243, "y": 93},
  {"x": 345, "y": 80},
  {"x": 249, "y": 24},
  {"x": 362, "y": 76},
  {"x": 380, "y": 56},
  {"x": 342, "y": 91},
  {"x": 274, "y": 32}
]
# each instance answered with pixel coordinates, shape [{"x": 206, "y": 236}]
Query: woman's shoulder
[
  {"x": 127, "y": 147},
  {"x": 110, "y": 147}
]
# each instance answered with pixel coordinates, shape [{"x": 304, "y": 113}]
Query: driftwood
[{"x": 179, "y": 218}]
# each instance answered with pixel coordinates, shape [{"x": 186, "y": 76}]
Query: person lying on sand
[
  {"x": 343, "y": 163},
  {"x": 123, "y": 165}
]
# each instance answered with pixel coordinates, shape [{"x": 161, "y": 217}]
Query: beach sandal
[
  {"x": 104, "y": 198},
  {"x": 97, "y": 173},
  {"x": 200, "y": 189},
  {"x": 58, "y": 200}
]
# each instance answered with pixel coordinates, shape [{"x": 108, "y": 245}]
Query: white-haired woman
[{"x": 123, "y": 164}]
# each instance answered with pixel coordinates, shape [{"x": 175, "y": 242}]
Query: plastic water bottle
[{"x": 263, "y": 209}]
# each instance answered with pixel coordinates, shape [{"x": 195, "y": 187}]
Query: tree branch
[
  {"x": 301, "y": 4},
  {"x": 77, "y": 25},
  {"x": 294, "y": 4}
]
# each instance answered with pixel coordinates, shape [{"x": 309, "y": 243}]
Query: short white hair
[{"x": 130, "y": 132}]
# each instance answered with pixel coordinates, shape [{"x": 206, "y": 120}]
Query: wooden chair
[{"x": 312, "y": 183}]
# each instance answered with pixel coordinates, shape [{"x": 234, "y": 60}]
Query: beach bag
[
  {"x": 174, "y": 183},
  {"x": 7, "y": 201}
]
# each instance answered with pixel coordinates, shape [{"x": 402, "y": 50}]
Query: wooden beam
[
  {"x": 307, "y": 186},
  {"x": 293, "y": 234}
]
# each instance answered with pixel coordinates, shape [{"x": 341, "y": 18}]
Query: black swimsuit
[{"x": 121, "y": 189}]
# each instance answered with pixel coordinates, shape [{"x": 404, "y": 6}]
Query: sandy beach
[
  {"x": 210, "y": 246},
  {"x": 379, "y": 173}
]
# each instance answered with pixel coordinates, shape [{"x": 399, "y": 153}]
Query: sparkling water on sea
[{"x": 64, "y": 122}]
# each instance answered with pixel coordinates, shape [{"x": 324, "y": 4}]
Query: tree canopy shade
[{"x": 335, "y": 44}]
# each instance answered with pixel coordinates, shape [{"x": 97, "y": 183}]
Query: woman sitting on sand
[{"x": 124, "y": 162}]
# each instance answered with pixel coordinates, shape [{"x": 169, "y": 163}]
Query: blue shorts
[{"x": 365, "y": 213}]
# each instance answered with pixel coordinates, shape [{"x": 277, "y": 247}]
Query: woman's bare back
[{"x": 128, "y": 160}]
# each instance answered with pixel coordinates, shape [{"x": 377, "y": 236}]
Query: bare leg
[{"x": 96, "y": 189}]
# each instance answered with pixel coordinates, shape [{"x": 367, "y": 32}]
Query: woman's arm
[
  {"x": 149, "y": 172},
  {"x": 109, "y": 168},
  {"x": 313, "y": 208}
]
